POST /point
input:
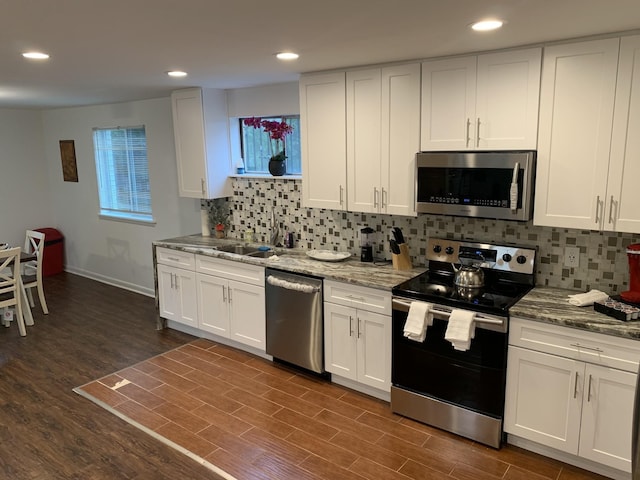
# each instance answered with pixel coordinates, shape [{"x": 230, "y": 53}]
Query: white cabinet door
[
  {"x": 177, "y": 292},
  {"x": 607, "y": 411},
  {"x": 363, "y": 140},
  {"x": 507, "y": 99},
  {"x": 340, "y": 340},
  {"x": 400, "y": 138},
  {"x": 213, "y": 306},
  {"x": 623, "y": 195},
  {"x": 374, "y": 349},
  {"x": 323, "y": 140},
  {"x": 169, "y": 306},
  {"x": 201, "y": 131},
  {"x": 543, "y": 398},
  {"x": 448, "y": 104},
  {"x": 576, "y": 115},
  {"x": 247, "y": 314}
]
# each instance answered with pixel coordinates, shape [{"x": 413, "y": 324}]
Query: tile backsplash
[{"x": 603, "y": 261}]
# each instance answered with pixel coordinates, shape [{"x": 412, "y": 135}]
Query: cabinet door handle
[
  {"x": 375, "y": 197},
  {"x": 585, "y": 347},
  {"x": 229, "y": 293},
  {"x": 341, "y": 190},
  {"x": 224, "y": 294},
  {"x": 467, "y": 133},
  {"x": 575, "y": 387},
  {"x": 171, "y": 277},
  {"x": 202, "y": 186},
  {"x": 478, "y": 133},
  {"x": 597, "y": 209},
  {"x": 350, "y": 326},
  {"x": 177, "y": 284},
  {"x": 611, "y": 220},
  {"x": 359, "y": 327},
  {"x": 589, "y": 390},
  {"x": 384, "y": 198}
]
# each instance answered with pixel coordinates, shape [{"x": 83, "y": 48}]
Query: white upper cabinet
[
  {"x": 623, "y": 194},
  {"x": 589, "y": 111},
  {"x": 383, "y": 136},
  {"x": 201, "y": 130},
  {"x": 482, "y": 102},
  {"x": 323, "y": 140}
]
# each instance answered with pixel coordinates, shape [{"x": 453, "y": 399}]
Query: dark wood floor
[
  {"x": 93, "y": 330},
  {"x": 49, "y": 432}
]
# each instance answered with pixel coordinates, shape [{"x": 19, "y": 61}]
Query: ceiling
[{"x": 120, "y": 50}]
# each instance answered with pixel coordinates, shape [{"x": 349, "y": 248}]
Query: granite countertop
[
  {"x": 375, "y": 275},
  {"x": 550, "y": 305}
]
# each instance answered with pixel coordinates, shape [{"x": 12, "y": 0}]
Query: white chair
[
  {"x": 32, "y": 271},
  {"x": 10, "y": 286}
]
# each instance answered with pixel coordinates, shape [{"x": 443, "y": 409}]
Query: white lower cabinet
[
  {"x": 177, "y": 286},
  {"x": 571, "y": 391},
  {"x": 230, "y": 308},
  {"x": 357, "y": 341}
]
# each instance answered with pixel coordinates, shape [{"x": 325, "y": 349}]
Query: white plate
[{"x": 328, "y": 255}]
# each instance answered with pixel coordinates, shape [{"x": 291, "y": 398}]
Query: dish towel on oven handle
[
  {"x": 461, "y": 329},
  {"x": 419, "y": 318}
]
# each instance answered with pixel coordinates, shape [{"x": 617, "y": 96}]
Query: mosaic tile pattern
[{"x": 603, "y": 261}]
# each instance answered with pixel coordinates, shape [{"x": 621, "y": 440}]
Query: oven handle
[{"x": 479, "y": 318}]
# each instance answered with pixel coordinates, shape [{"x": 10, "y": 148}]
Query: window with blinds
[{"x": 123, "y": 173}]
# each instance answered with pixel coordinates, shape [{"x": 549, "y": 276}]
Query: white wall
[
  {"x": 24, "y": 187},
  {"x": 112, "y": 251}
]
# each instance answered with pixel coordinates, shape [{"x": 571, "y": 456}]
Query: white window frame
[{"x": 108, "y": 197}]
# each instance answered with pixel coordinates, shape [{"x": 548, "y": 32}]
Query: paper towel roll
[{"x": 204, "y": 223}]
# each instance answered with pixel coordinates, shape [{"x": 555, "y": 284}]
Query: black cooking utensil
[
  {"x": 400, "y": 236},
  {"x": 394, "y": 247}
]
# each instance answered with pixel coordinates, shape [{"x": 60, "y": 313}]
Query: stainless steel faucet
[{"x": 275, "y": 230}]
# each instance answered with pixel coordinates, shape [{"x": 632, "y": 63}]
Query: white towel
[
  {"x": 461, "y": 329},
  {"x": 587, "y": 299},
  {"x": 418, "y": 319}
]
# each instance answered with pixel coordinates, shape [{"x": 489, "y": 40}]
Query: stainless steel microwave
[{"x": 476, "y": 184}]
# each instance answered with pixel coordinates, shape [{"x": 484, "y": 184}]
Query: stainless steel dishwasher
[{"x": 295, "y": 319}]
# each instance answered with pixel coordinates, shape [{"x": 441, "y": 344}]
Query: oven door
[
  {"x": 476, "y": 184},
  {"x": 473, "y": 379}
]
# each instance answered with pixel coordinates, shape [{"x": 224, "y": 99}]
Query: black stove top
[
  {"x": 496, "y": 297},
  {"x": 508, "y": 276}
]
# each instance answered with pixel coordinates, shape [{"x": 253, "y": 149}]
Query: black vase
[{"x": 277, "y": 167}]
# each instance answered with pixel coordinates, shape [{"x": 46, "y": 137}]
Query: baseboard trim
[
  {"x": 568, "y": 458},
  {"x": 111, "y": 281}
]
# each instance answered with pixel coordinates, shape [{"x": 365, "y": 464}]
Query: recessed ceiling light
[
  {"x": 486, "y": 25},
  {"x": 35, "y": 55},
  {"x": 287, "y": 56},
  {"x": 177, "y": 73}
]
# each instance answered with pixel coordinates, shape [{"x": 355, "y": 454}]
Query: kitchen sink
[{"x": 248, "y": 251}]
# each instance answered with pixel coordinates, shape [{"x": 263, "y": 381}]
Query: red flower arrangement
[{"x": 277, "y": 132}]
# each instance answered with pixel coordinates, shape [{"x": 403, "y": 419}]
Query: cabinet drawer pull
[
  {"x": 341, "y": 190},
  {"x": 611, "y": 220},
  {"x": 478, "y": 133},
  {"x": 375, "y": 197},
  {"x": 575, "y": 387},
  {"x": 597, "y": 209},
  {"x": 357, "y": 299},
  {"x": 589, "y": 390},
  {"x": 350, "y": 326},
  {"x": 384, "y": 199},
  {"x": 173, "y": 259},
  {"x": 584, "y": 347}
]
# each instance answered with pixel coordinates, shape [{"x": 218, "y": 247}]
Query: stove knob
[
  {"x": 448, "y": 250},
  {"x": 437, "y": 248},
  {"x": 521, "y": 259},
  {"x": 506, "y": 257}
]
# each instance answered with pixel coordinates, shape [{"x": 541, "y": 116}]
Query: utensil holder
[{"x": 402, "y": 260}]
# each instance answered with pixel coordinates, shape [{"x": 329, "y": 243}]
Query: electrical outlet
[{"x": 572, "y": 257}]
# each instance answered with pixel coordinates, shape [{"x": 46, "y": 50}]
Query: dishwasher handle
[{"x": 286, "y": 284}]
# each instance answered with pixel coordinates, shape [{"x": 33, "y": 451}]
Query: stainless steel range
[{"x": 459, "y": 390}]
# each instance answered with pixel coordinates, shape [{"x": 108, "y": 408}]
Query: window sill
[
  {"x": 127, "y": 219},
  {"x": 266, "y": 176}
]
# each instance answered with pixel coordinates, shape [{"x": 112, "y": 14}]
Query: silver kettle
[{"x": 468, "y": 276}]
